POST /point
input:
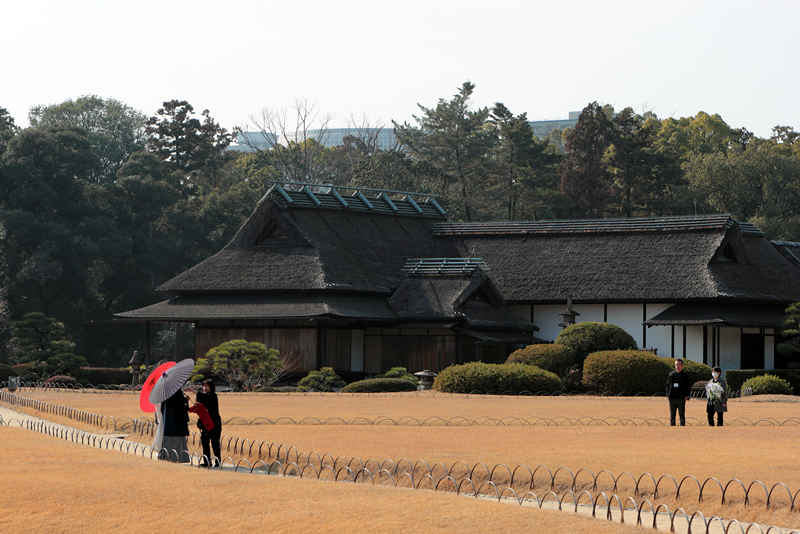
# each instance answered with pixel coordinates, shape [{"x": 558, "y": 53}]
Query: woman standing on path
[
  {"x": 208, "y": 398},
  {"x": 717, "y": 393}
]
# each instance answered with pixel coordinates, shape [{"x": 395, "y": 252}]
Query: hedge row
[
  {"x": 635, "y": 371},
  {"x": 490, "y": 377}
]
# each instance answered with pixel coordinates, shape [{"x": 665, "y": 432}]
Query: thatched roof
[
  {"x": 344, "y": 254},
  {"x": 634, "y": 260},
  {"x": 455, "y": 290},
  {"x": 789, "y": 250},
  {"x": 301, "y": 246}
]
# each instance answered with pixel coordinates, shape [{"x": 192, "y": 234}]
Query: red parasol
[{"x": 149, "y": 384}]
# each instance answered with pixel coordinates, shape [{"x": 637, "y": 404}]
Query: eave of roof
[
  {"x": 211, "y": 307},
  {"x": 719, "y": 315}
]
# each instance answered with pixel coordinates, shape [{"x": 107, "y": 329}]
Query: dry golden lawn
[
  {"x": 765, "y": 452},
  {"x": 57, "y": 486}
]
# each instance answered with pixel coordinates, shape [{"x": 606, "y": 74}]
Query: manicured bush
[
  {"x": 400, "y": 372},
  {"x": 552, "y": 357},
  {"x": 58, "y": 380},
  {"x": 494, "y": 378},
  {"x": 635, "y": 371},
  {"x": 737, "y": 377},
  {"x": 7, "y": 371},
  {"x": 630, "y": 371},
  {"x": 589, "y": 337},
  {"x": 323, "y": 380},
  {"x": 768, "y": 385},
  {"x": 378, "y": 385}
]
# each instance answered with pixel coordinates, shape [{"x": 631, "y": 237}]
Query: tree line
[{"x": 100, "y": 204}]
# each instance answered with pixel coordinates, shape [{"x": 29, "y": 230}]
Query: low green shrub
[
  {"x": 402, "y": 373},
  {"x": 552, "y": 357},
  {"x": 630, "y": 371},
  {"x": 737, "y": 377},
  {"x": 61, "y": 380},
  {"x": 379, "y": 385},
  {"x": 7, "y": 371},
  {"x": 323, "y": 380},
  {"x": 490, "y": 377},
  {"x": 768, "y": 385},
  {"x": 588, "y": 337}
]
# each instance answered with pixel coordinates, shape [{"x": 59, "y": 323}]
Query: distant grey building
[
  {"x": 253, "y": 141},
  {"x": 383, "y": 138},
  {"x": 542, "y": 129}
]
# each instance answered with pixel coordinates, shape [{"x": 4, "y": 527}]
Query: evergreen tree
[{"x": 455, "y": 141}]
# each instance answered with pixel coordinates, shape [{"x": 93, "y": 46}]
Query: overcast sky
[{"x": 379, "y": 59}]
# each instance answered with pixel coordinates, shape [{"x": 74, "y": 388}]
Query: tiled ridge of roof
[
  {"x": 305, "y": 195},
  {"x": 444, "y": 266},
  {"x": 594, "y": 226}
]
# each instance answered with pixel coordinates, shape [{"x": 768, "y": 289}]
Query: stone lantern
[
  {"x": 425, "y": 379},
  {"x": 569, "y": 314}
]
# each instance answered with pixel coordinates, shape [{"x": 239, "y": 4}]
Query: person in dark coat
[
  {"x": 679, "y": 387},
  {"x": 718, "y": 405},
  {"x": 175, "y": 417},
  {"x": 210, "y": 438}
]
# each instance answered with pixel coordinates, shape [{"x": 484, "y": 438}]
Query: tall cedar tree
[
  {"x": 454, "y": 140},
  {"x": 185, "y": 144},
  {"x": 521, "y": 161},
  {"x": 584, "y": 178}
]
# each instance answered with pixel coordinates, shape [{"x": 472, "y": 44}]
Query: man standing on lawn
[{"x": 679, "y": 387}]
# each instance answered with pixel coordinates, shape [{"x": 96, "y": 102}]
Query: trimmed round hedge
[
  {"x": 768, "y": 385},
  {"x": 634, "y": 371},
  {"x": 551, "y": 357},
  {"x": 588, "y": 337},
  {"x": 380, "y": 385},
  {"x": 494, "y": 378}
]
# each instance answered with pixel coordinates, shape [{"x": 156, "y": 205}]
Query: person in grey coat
[{"x": 717, "y": 403}]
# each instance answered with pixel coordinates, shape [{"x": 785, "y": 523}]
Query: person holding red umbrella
[
  {"x": 172, "y": 407},
  {"x": 209, "y": 437}
]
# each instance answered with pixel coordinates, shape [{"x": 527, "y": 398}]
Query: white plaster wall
[
  {"x": 629, "y": 318},
  {"x": 659, "y": 337},
  {"x": 694, "y": 343},
  {"x": 589, "y": 312},
  {"x": 547, "y": 318},
  {"x": 680, "y": 333},
  {"x": 730, "y": 347},
  {"x": 357, "y": 351}
]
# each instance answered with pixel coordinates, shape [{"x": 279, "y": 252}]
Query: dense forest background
[{"x": 100, "y": 204}]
